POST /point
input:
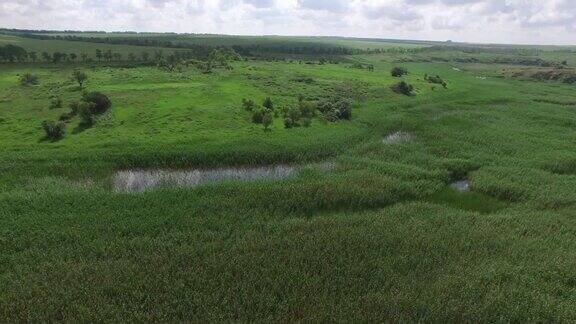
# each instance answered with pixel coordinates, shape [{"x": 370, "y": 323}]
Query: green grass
[{"x": 379, "y": 238}]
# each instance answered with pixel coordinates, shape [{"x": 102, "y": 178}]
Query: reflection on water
[
  {"x": 142, "y": 180},
  {"x": 398, "y": 137},
  {"x": 461, "y": 185}
]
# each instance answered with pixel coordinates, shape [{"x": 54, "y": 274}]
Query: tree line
[
  {"x": 204, "y": 50},
  {"x": 13, "y": 53}
]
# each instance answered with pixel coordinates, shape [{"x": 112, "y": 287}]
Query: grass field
[{"x": 380, "y": 237}]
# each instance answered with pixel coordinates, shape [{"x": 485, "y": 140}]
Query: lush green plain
[{"x": 380, "y": 238}]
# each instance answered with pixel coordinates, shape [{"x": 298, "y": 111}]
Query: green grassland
[{"x": 382, "y": 237}]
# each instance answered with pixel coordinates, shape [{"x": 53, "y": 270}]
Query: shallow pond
[
  {"x": 143, "y": 180},
  {"x": 461, "y": 185},
  {"x": 398, "y": 137}
]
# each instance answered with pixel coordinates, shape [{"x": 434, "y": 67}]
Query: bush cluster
[
  {"x": 248, "y": 104},
  {"x": 79, "y": 77},
  {"x": 436, "y": 80},
  {"x": 331, "y": 109},
  {"x": 91, "y": 105},
  {"x": 301, "y": 115},
  {"x": 28, "y": 79},
  {"x": 54, "y": 130},
  {"x": 361, "y": 66},
  {"x": 398, "y": 72},
  {"x": 403, "y": 87},
  {"x": 260, "y": 114},
  {"x": 56, "y": 102},
  {"x": 336, "y": 108},
  {"x": 101, "y": 102}
]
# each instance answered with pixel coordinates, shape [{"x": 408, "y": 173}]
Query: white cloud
[{"x": 503, "y": 21}]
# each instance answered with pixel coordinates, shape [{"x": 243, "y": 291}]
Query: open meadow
[{"x": 445, "y": 193}]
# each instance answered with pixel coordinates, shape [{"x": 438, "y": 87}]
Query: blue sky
[{"x": 499, "y": 21}]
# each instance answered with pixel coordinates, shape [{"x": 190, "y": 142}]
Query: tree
[
  {"x": 28, "y": 79},
  {"x": 267, "y": 120},
  {"x": 307, "y": 109},
  {"x": 101, "y": 102},
  {"x": 336, "y": 108},
  {"x": 86, "y": 112},
  {"x": 403, "y": 88},
  {"x": 99, "y": 55},
  {"x": 248, "y": 104},
  {"x": 132, "y": 57},
  {"x": 73, "y": 57},
  {"x": 84, "y": 57},
  {"x": 54, "y": 130},
  {"x": 158, "y": 55},
  {"x": 436, "y": 80},
  {"x": 46, "y": 57},
  {"x": 117, "y": 56},
  {"x": 398, "y": 72},
  {"x": 79, "y": 77},
  {"x": 33, "y": 56},
  {"x": 108, "y": 55},
  {"x": 145, "y": 56},
  {"x": 258, "y": 115},
  {"x": 11, "y": 53},
  {"x": 268, "y": 104},
  {"x": 57, "y": 57},
  {"x": 56, "y": 102}
]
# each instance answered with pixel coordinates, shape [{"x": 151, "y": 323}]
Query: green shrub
[
  {"x": 403, "y": 88},
  {"x": 300, "y": 115},
  {"x": 304, "y": 79},
  {"x": 288, "y": 122},
  {"x": 398, "y": 72},
  {"x": 101, "y": 102},
  {"x": 74, "y": 107},
  {"x": 28, "y": 79},
  {"x": 307, "y": 109},
  {"x": 248, "y": 104},
  {"x": 257, "y": 116},
  {"x": 54, "y": 130},
  {"x": 267, "y": 120},
  {"x": 292, "y": 117},
  {"x": 79, "y": 77},
  {"x": 336, "y": 108},
  {"x": 56, "y": 102},
  {"x": 435, "y": 80},
  {"x": 268, "y": 104},
  {"x": 86, "y": 111},
  {"x": 357, "y": 65}
]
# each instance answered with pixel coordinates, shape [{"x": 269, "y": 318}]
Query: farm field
[{"x": 366, "y": 225}]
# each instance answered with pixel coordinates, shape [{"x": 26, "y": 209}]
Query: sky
[{"x": 482, "y": 21}]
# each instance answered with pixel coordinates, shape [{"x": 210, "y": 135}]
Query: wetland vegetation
[{"x": 187, "y": 179}]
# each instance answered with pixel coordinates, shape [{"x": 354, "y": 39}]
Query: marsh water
[
  {"x": 461, "y": 185},
  {"x": 398, "y": 137},
  {"x": 143, "y": 180}
]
